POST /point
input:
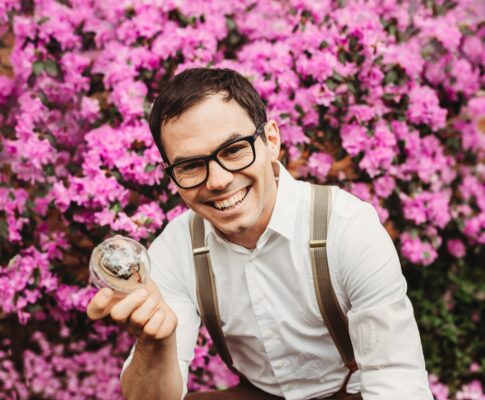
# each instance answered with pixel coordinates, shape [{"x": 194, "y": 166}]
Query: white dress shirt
[{"x": 270, "y": 316}]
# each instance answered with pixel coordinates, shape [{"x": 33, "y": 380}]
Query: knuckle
[
  {"x": 174, "y": 319},
  {"x": 118, "y": 315},
  {"x": 150, "y": 330},
  {"x": 137, "y": 319}
]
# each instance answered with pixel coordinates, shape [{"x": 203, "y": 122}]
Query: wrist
[{"x": 149, "y": 346}]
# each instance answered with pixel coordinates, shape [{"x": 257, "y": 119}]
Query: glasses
[{"x": 233, "y": 156}]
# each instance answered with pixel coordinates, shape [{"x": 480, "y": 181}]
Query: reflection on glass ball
[{"x": 119, "y": 263}]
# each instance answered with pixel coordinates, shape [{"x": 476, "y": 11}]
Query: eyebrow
[{"x": 231, "y": 137}]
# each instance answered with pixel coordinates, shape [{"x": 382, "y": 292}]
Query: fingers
[
  {"x": 98, "y": 306},
  {"x": 161, "y": 325},
  {"x": 169, "y": 324},
  {"x": 125, "y": 307},
  {"x": 142, "y": 313},
  {"x": 154, "y": 324}
]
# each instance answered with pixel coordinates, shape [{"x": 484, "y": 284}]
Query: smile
[{"x": 231, "y": 202}]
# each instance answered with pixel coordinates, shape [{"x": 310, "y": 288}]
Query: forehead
[{"x": 203, "y": 127}]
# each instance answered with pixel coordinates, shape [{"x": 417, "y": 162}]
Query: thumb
[{"x": 98, "y": 306}]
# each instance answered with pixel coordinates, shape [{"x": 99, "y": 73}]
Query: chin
[{"x": 233, "y": 227}]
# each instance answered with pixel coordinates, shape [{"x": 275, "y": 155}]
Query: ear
[{"x": 273, "y": 138}]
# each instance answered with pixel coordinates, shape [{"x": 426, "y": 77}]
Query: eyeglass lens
[{"x": 235, "y": 156}]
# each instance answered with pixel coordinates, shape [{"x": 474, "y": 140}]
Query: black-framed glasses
[{"x": 233, "y": 156}]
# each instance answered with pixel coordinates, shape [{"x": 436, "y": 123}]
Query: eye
[
  {"x": 190, "y": 166},
  {"x": 233, "y": 150}
]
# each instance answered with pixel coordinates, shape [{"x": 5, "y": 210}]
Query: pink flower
[
  {"x": 319, "y": 165},
  {"x": 465, "y": 78},
  {"x": 444, "y": 29},
  {"x": 475, "y": 228},
  {"x": 384, "y": 186},
  {"x": 361, "y": 112},
  {"x": 427, "y": 206},
  {"x": 472, "y": 391},
  {"x": 414, "y": 208},
  {"x": 354, "y": 139},
  {"x": 424, "y": 108},
  {"x": 323, "y": 95},
  {"x": 128, "y": 97},
  {"x": 439, "y": 390},
  {"x": 407, "y": 55},
  {"x": 7, "y": 87},
  {"x": 473, "y": 48},
  {"x": 417, "y": 251},
  {"x": 456, "y": 248}
]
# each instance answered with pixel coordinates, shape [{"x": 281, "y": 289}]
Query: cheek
[{"x": 188, "y": 198}]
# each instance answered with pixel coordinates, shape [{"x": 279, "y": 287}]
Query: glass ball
[{"x": 119, "y": 263}]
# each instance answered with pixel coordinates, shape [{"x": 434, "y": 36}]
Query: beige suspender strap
[
  {"x": 332, "y": 314},
  {"x": 206, "y": 291}
]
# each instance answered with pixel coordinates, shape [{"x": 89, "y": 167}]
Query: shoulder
[
  {"x": 346, "y": 206},
  {"x": 175, "y": 234},
  {"x": 352, "y": 219}
]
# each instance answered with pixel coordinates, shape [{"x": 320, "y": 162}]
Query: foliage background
[{"x": 383, "y": 98}]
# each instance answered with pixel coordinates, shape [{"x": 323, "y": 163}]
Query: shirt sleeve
[
  {"x": 382, "y": 326},
  {"x": 170, "y": 277}
]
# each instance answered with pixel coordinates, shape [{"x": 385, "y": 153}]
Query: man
[{"x": 221, "y": 152}]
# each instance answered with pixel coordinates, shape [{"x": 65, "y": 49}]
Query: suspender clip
[
  {"x": 318, "y": 243},
  {"x": 200, "y": 250}
]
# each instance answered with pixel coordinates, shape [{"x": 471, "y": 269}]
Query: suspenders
[{"x": 332, "y": 314}]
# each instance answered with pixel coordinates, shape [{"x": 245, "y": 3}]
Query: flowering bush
[{"x": 384, "y": 98}]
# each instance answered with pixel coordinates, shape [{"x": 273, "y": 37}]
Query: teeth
[{"x": 236, "y": 199}]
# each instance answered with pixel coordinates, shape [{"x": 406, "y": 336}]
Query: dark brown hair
[{"x": 192, "y": 86}]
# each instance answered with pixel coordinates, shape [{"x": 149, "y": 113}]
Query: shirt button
[{"x": 291, "y": 386}]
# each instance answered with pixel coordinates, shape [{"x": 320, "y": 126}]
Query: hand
[{"x": 143, "y": 313}]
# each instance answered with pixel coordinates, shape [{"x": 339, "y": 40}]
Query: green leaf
[
  {"x": 51, "y": 68},
  {"x": 330, "y": 84},
  {"x": 3, "y": 229},
  {"x": 43, "y": 20},
  {"x": 299, "y": 109},
  {"x": 391, "y": 77},
  {"x": 37, "y": 67},
  {"x": 352, "y": 88},
  {"x": 116, "y": 208},
  {"x": 341, "y": 57},
  {"x": 150, "y": 168},
  {"x": 43, "y": 98},
  {"x": 230, "y": 23},
  {"x": 337, "y": 77}
]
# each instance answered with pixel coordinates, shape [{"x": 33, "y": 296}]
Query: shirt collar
[{"x": 283, "y": 218}]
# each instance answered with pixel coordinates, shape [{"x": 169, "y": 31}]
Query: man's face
[{"x": 239, "y": 204}]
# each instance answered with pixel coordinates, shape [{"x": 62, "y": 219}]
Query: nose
[{"x": 218, "y": 178}]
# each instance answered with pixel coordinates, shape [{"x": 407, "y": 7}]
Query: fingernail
[
  {"x": 107, "y": 293},
  {"x": 143, "y": 293}
]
